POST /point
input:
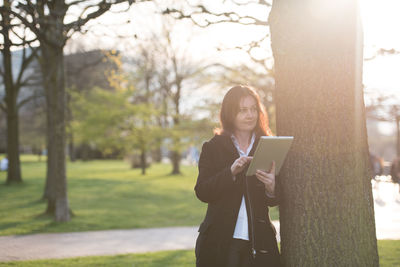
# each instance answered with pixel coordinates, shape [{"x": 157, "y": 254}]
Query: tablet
[{"x": 270, "y": 148}]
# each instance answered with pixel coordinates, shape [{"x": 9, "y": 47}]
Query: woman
[{"x": 237, "y": 230}]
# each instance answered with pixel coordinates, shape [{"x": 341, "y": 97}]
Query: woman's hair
[{"x": 231, "y": 106}]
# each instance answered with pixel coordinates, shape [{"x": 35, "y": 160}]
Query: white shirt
[{"x": 242, "y": 227}]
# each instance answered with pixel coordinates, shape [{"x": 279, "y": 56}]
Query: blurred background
[
  {"x": 172, "y": 73},
  {"x": 115, "y": 99}
]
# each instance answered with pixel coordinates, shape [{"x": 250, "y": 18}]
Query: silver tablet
[{"x": 270, "y": 148}]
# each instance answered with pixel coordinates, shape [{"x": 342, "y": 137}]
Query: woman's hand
[
  {"x": 268, "y": 179},
  {"x": 240, "y": 164}
]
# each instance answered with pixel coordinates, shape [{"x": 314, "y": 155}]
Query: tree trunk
[
  {"x": 398, "y": 134},
  {"x": 55, "y": 97},
  {"x": 52, "y": 64},
  {"x": 175, "y": 153},
  {"x": 175, "y": 158},
  {"x": 14, "y": 166},
  {"x": 143, "y": 163},
  {"x": 157, "y": 153},
  {"x": 71, "y": 147},
  {"x": 326, "y": 212}
]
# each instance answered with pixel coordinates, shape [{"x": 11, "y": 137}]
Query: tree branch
[
  {"x": 75, "y": 2},
  {"x": 23, "y": 39},
  {"x": 231, "y": 17},
  {"x": 103, "y": 7},
  {"x": 25, "y": 61},
  {"x": 28, "y": 99},
  {"x": 30, "y": 25},
  {"x": 383, "y": 52}
]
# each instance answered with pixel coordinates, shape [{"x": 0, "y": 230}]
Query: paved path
[{"x": 111, "y": 242}]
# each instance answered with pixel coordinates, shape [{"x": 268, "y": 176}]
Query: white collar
[{"x": 236, "y": 143}]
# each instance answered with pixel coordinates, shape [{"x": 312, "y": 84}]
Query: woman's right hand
[{"x": 240, "y": 164}]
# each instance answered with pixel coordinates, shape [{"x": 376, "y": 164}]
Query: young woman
[{"x": 236, "y": 230}]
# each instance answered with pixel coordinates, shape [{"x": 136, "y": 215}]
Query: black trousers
[{"x": 239, "y": 254}]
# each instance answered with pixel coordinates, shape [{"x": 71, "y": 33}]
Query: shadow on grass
[
  {"x": 13, "y": 184},
  {"x": 5, "y": 226},
  {"x": 169, "y": 258}
]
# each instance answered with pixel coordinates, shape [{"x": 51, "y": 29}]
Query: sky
[{"x": 381, "y": 26}]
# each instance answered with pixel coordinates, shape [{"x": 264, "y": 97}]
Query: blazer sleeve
[
  {"x": 273, "y": 201},
  {"x": 211, "y": 182}
]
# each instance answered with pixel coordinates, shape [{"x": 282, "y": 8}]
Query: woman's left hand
[{"x": 268, "y": 179}]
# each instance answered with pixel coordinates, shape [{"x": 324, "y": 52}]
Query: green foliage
[
  {"x": 190, "y": 132},
  {"x": 108, "y": 120}
]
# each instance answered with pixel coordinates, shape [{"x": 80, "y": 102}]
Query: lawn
[
  {"x": 389, "y": 251},
  {"x": 105, "y": 194}
]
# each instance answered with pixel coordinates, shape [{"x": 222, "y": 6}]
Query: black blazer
[{"x": 216, "y": 187}]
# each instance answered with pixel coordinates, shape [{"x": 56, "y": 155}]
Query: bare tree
[
  {"x": 46, "y": 20},
  {"x": 258, "y": 71},
  {"x": 235, "y": 12},
  {"x": 167, "y": 70},
  {"x": 11, "y": 103}
]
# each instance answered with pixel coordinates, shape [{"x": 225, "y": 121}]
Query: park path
[{"x": 112, "y": 242}]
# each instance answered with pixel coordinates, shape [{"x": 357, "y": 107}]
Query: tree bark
[
  {"x": 143, "y": 163},
  {"x": 175, "y": 158},
  {"x": 326, "y": 212},
  {"x": 14, "y": 166},
  {"x": 398, "y": 134},
  {"x": 175, "y": 153},
  {"x": 52, "y": 64}
]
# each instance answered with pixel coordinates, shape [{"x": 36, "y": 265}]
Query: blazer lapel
[
  {"x": 228, "y": 146},
  {"x": 253, "y": 149}
]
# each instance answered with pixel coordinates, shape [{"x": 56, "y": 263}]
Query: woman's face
[{"x": 246, "y": 119}]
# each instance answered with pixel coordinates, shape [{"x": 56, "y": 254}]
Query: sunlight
[{"x": 387, "y": 206}]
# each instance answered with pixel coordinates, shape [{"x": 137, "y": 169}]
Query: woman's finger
[{"x": 272, "y": 170}]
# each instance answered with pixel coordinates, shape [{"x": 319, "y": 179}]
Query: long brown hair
[{"x": 230, "y": 108}]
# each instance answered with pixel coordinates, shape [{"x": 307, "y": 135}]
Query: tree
[
  {"x": 180, "y": 69},
  {"x": 84, "y": 71},
  {"x": 13, "y": 87},
  {"x": 257, "y": 71},
  {"x": 128, "y": 124},
  {"x": 326, "y": 212},
  {"x": 47, "y": 21}
]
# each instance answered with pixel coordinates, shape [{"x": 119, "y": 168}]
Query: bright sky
[
  {"x": 381, "y": 24},
  {"x": 381, "y": 30}
]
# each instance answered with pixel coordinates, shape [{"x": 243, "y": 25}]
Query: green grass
[
  {"x": 389, "y": 251},
  {"x": 103, "y": 195},
  {"x": 179, "y": 258}
]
